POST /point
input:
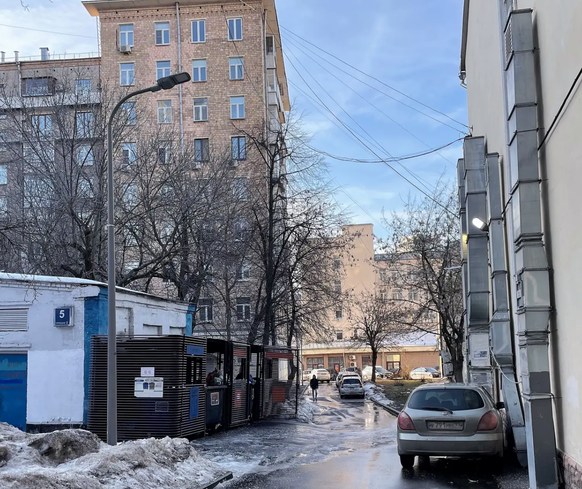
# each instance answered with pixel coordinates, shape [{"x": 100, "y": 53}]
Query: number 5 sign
[{"x": 64, "y": 316}]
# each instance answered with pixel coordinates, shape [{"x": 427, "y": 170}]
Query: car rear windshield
[
  {"x": 351, "y": 380},
  {"x": 453, "y": 399}
]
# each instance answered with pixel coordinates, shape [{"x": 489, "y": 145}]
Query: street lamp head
[
  {"x": 479, "y": 224},
  {"x": 167, "y": 82}
]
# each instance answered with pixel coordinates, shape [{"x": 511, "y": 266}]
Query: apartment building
[
  {"x": 235, "y": 102},
  {"x": 364, "y": 272},
  {"x": 520, "y": 66}
]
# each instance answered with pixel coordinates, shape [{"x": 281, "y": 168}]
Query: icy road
[{"x": 349, "y": 443}]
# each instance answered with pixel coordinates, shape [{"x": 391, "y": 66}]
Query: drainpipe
[
  {"x": 180, "y": 71},
  {"x": 500, "y": 330},
  {"x": 463, "y": 218},
  {"x": 478, "y": 358},
  {"x": 532, "y": 285}
]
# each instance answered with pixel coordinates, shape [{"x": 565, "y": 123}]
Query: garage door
[{"x": 13, "y": 390}]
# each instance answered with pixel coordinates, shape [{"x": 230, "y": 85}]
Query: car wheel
[
  {"x": 341, "y": 396},
  {"x": 407, "y": 461}
]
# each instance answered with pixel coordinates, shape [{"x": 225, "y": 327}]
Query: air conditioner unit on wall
[
  {"x": 353, "y": 364},
  {"x": 352, "y": 357},
  {"x": 125, "y": 49}
]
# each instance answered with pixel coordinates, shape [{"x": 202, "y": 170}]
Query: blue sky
[{"x": 412, "y": 46}]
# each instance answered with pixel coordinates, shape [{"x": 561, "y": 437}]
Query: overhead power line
[
  {"x": 48, "y": 32},
  {"x": 385, "y": 84}
]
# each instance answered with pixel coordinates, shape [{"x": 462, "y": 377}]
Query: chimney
[
  {"x": 16, "y": 56},
  {"x": 44, "y": 54},
  {"x": 2, "y": 57}
]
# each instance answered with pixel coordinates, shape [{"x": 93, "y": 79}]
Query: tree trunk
[{"x": 374, "y": 359}]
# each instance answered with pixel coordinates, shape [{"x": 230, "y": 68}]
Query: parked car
[
  {"x": 423, "y": 373},
  {"x": 343, "y": 374},
  {"x": 332, "y": 373},
  {"x": 321, "y": 374},
  {"x": 380, "y": 373},
  {"x": 450, "y": 420},
  {"x": 351, "y": 386},
  {"x": 306, "y": 375}
]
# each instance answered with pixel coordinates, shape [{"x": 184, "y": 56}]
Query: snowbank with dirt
[
  {"x": 376, "y": 395},
  {"x": 77, "y": 459},
  {"x": 307, "y": 409}
]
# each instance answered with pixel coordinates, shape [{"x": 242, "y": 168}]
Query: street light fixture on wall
[
  {"x": 164, "y": 83},
  {"x": 478, "y": 223}
]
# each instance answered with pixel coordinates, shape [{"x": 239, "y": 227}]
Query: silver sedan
[{"x": 450, "y": 419}]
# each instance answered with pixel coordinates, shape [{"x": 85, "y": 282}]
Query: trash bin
[{"x": 214, "y": 404}]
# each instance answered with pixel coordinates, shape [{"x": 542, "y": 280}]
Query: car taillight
[
  {"x": 488, "y": 421},
  {"x": 405, "y": 422}
]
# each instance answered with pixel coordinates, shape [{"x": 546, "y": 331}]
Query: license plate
[{"x": 445, "y": 425}]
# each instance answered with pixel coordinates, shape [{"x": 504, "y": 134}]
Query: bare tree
[
  {"x": 424, "y": 259},
  {"x": 376, "y": 323}
]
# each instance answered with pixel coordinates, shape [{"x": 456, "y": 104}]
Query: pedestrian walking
[{"x": 314, "y": 384}]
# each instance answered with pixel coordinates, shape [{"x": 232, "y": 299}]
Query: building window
[
  {"x": 200, "y": 109},
  {"x": 397, "y": 295},
  {"x": 243, "y": 309},
  {"x": 164, "y": 111},
  {"x": 126, "y": 74},
  {"x": 162, "y": 33},
  {"x": 236, "y": 68},
  {"x": 244, "y": 272},
  {"x": 339, "y": 315},
  {"x": 85, "y": 188},
  {"x": 271, "y": 80},
  {"x": 234, "y": 29},
  {"x": 3, "y": 175},
  {"x": 337, "y": 264},
  {"x": 366, "y": 360},
  {"x": 38, "y": 86},
  {"x": 129, "y": 153},
  {"x": 412, "y": 295},
  {"x": 199, "y": 70},
  {"x": 338, "y": 287},
  {"x": 237, "y": 107},
  {"x": 339, "y": 335},
  {"x": 84, "y": 121},
  {"x": 240, "y": 188},
  {"x": 201, "y": 150},
  {"x": 198, "y": 31},
  {"x": 42, "y": 124},
  {"x": 239, "y": 148},
  {"x": 85, "y": 155},
  {"x": 126, "y": 35},
  {"x": 314, "y": 362},
  {"x": 130, "y": 195},
  {"x": 162, "y": 69},
  {"x": 383, "y": 276},
  {"x": 270, "y": 44},
  {"x": 205, "y": 310},
  {"x": 129, "y": 111},
  {"x": 82, "y": 87},
  {"x": 240, "y": 230},
  {"x": 164, "y": 154}
]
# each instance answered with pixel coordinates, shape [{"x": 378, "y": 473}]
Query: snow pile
[
  {"x": 307, "y": 410},
  {"x": 76, "y": 459},
  {"x": 376, "y": 394}
]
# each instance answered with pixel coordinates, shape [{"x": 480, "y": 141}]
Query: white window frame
[
  {"x": 200, "y": 110},
  {"x": 235, "y": 32},
  {"x": 131, "y": 147},
  {"x": 130, "y": 196},
  {"x": 166, "y": 150},
  {"x": 43, "y": 123},
  {"x": 198, "y": 22},
  {"x": 240, "y": 188},
  {"x": 206, "y": 305},
  {"x": 129, "y": 110},
  {"x": 84, "y": 123},
  {"x": 236, "y": 69},
  {"x": 339, "y": 313},
  {"x": 126, "y": 34},
  {"x": 164, "y": 111},
  {"x": 243, "y": 309},
  {"x": 161, "y": 27},
  {"x": 3, "y": 175},
  {"x": 339, "y": 335},
  {"x": 82, "y": 86},
  {"x": 164, "y": 70},
  {"x": 201, "y": 70},
  {"x": 243, "y": 273},
  {"x": 129, "y": 74},
  {"x": 237, "y": 107},
  {"x": 85, "y": 156}
]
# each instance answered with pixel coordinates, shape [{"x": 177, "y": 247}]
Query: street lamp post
[{"x": 164, "y": 83}]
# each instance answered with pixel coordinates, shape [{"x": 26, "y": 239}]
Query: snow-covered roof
[{"x": 22, "y": 277}]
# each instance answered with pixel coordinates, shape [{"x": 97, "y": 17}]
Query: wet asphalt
[{"x": 351, "y": 444}]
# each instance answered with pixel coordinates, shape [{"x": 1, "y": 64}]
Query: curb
[
  {"x": 215, "y": 482},
  {"x": 393, "y": 411}
]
